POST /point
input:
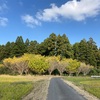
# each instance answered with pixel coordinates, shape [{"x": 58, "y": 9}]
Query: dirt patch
[
  {"x": 84, "y": 93},
  {"x": 40, "y": 90}
]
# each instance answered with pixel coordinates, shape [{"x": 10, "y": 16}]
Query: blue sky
[{"x": 37, "y": 19}]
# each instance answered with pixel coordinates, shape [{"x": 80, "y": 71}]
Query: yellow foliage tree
[
  {"x": 38, "y": 64},
  {"x": 85, "y": 69},
  {"x": 73, "y": 66},
  {"x": 15, "y": 64}
]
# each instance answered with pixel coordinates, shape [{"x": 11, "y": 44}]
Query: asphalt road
[{"x": 58, "y": 90}]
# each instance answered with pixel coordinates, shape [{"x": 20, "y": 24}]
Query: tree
[
  {"x": 19, "y": 65},
  {"x": 64, "y": 48},
  {"x": 56, "y": 45},
  {"x": 86, "y": 51},
  {"x": 97, "y": 55},
  {"x": 85, "y": 69},
  {"x": 62, "y": 66},
  {"x": 56, "y": 64},
  {"x": 8, "y": 50},
  {"x": 92, "y": 52},
  {"x": 83, "y": 51},
  {"x": 52, "y": 43},
  {"x": 72, "y": 67},
  {"x": 76, "y": 51},
  {"x": 33, "y": 47},
  {"x": 38, "y": 64},
  {"x": 18, "y": 47},
  {"x": 48, "y": 47},
  {"x": 2, "y": 52},
  {"x": 27, "y": 43},
  {"x": 53, "y": 64}
]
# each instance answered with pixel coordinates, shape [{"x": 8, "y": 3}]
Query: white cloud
[
  {"x": 3, "y": 7},
  {"x": 3, "y": 21},
  {"x": 76, "y": 10},
  {"x": 30, "y": 21},
  {"x": 49, "y": 14}
]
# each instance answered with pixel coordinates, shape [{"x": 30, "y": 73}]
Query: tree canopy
[{"x": 85, "y": 51}]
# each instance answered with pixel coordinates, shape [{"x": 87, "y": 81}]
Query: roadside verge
[
  {"x": 40, "y": 90},
  {"x": 82, "y": 92}
]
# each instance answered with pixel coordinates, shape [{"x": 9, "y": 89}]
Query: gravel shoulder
[
  {"x": 82, "y": 92},
  {"x": 40, "y": 90}
]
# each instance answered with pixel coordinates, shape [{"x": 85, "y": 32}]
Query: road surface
[{"x": 58, "y": 90}]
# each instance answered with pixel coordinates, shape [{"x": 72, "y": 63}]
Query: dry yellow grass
[
  {"x": 18, "y": 78},
  {"x": 15, "y": 87}
]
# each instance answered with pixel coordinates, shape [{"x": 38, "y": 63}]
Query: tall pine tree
[{"x": 18, "y": 47}]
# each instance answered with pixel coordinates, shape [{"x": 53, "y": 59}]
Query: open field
[
  {"x": 89, "y": 84},
  {"x": 15, "y": 87}
]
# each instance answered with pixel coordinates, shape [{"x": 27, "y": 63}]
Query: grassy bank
[
  {"x": 15, "y": 87},
  {"x": 89, "y": 84}
]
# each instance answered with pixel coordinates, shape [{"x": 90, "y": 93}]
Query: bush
[{"x": 95, "y": 71}]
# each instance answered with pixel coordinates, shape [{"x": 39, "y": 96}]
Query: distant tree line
[
  {"x": 37, "y": 64},
  {"x": 55, "y": 45}
]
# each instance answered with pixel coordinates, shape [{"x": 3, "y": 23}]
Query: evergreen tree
[
  {"x": 33, "y": 47},
  {"x": 98, "y": 59},
  {"x": 64, "y": 47},
  {"x": 92, "y": 52},
  {"x": 86, "y": 51},
  {"x": 56, "y": 45},
  {"x": 18, "y": 47},
  {"x": 27, "y": 43},
  {"x": 83, "y": 51},
  {"x": 8, "y": 50},
  {"x": 52, "y": 44},
  {"x": 2, "y": 52},
  {"x": 48, "y": 47},
  {"x": 76, "y": 50}
]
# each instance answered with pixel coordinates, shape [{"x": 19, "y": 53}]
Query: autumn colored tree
[
  {"x": 53, "y": 63},
  {"x": 72, "y": 67},
  {"x": 19, "y": 65},
  {"x": 62, "y": 66},
  {"x": 57, "y": 47},
  {"x": 38, "y": 64},
  {"x": 85, "y": 69}
]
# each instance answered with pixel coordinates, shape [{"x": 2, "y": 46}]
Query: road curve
[{"x": 58, "y": 90}]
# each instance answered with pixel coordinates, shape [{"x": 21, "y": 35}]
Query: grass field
[
  {"x": 15, "y": 87},
  {"x": 89, "y": 84}
]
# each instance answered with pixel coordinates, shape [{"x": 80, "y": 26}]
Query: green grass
[
  {"x": 13, "y": 88},
  {"x": 89, "y": 84}
]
